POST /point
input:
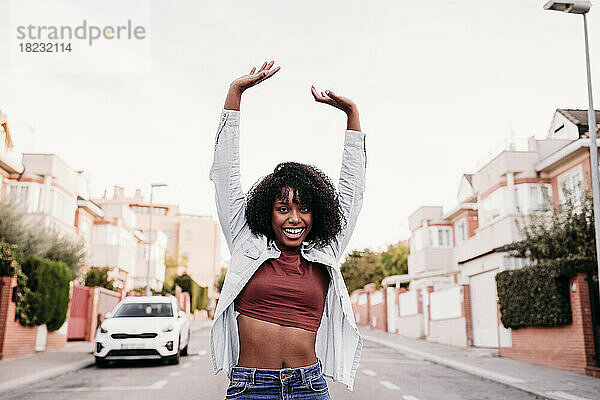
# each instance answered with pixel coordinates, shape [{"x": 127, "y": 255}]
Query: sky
[{"x": 438, "y": 85}]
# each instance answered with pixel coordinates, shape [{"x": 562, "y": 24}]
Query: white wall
[
  {"x": 445, "y": 304},
  {"x": 408, "y": 303}
]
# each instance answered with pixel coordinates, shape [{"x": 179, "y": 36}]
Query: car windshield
[{"x": 144, "y": 310}]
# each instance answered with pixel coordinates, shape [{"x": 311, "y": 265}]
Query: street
[{"x": 383, "y": 373}]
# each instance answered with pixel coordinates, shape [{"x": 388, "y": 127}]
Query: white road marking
[
  {"x": 470, "y": 369},
  {"x": 414, "y": 360},
  {"x": 195, "y": 358},
  {"x": 407, "y": 397},
  {"x": 202, "y": 353},
  {"x": 186, "y": 365},
  {"x": 389, "y": 385},
  {"x": 564, "y": 395},
  {"x": 176, "y": 373},
  {"x": 158, "y": 385},
  {"x": 368, "y": 372}
]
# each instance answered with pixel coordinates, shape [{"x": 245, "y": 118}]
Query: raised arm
[
  {"x": 351, "y": 186},
  {"x": 225, "y": 170}
]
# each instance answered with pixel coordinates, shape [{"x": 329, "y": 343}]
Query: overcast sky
[{"x": 438, "y": 84}]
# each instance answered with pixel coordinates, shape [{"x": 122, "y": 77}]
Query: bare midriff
[{"x": 266, "y": 345}]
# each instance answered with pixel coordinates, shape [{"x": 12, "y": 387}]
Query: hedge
[
  {"x": 44, "y": 297},
  {"x": 538, "y": 295}
]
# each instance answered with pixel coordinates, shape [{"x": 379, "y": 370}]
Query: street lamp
[
  {"x": 152, "y": 186},
  {"x": 582, "y": 7}
]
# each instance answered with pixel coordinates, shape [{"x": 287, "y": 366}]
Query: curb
[
  {"x": 503, "y": 379},
  {"x": 13, "y": 384}
]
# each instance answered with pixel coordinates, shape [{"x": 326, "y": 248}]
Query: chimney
[{"x": 119, "y": 193}]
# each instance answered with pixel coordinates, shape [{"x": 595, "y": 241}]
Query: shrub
[
  {"x": 538, "y": 295},
  {"x": 44, "y": 297},
  {"x": 96, "y": 276},
  {"x": 8, "y": 264}
]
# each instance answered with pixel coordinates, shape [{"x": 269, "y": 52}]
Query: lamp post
[
  {"x": 152, "y": 186},
  {"x": 582, "y": 7}
]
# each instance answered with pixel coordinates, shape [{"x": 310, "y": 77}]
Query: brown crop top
[{"x": 288, "y": 291}]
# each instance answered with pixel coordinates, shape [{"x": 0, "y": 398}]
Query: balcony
[
  {"x": 430, "y": 259},
  {"x": 499, "y": 232}
]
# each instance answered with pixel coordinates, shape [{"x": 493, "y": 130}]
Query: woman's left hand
[{"x": 339, "y": 102}]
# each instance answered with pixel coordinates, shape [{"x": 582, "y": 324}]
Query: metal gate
[
  {"x": 484, "y": 309},
  {"x": 595, "y": 309},
  {"x": 107, "y": 300},
  {"x": 78, "y": 316}
]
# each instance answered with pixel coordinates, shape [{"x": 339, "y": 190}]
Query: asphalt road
[{"x": 383, "y": 374}]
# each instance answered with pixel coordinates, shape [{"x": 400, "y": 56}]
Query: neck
[{"x": 283, "y": 247}]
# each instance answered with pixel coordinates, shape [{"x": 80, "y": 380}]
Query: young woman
[{"x": 284, "y": 318}]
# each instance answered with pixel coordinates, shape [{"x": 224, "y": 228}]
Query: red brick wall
[
  {"x": 466, "y": 312},
  {"x": 16, "y": 339},
  {"x": 361, "y": 312},
  {"x": 378, "y": 312},
  {"x": 472, "y": 223},
  {"x": 569, "y": 347}
]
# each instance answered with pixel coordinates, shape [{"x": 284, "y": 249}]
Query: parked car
[{"x": 143, "y": 328}]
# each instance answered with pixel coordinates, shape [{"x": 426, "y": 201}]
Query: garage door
[{"x": 484, "y": 310}]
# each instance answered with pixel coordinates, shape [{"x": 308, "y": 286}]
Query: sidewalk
[
  {"x": 545, "y": 382},
  {"x": 35, "y": 367}
]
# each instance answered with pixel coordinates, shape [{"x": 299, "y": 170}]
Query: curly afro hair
[{"x": 311, "y": 187}]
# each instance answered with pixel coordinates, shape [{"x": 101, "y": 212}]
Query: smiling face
[{"x": 290, "y": 222}]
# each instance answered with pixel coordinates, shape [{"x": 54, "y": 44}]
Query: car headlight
[
  {"x": 102, "y": 330},
  {"x": 169, "y": 328}
]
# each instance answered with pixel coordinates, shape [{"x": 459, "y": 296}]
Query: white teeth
[{"x": 293, "y": 232}]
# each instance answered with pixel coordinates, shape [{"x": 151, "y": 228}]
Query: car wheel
[{"x": 101, "y": 363}]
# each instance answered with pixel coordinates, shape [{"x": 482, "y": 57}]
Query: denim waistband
[{"x": 252, "y": 375}]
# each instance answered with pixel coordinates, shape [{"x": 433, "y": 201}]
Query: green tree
[
  {"x": 394, "y": 260},
  {"x": 362, "y": 267},
  {"x": 97, "y": 276},
  {"x": 198, "y": 294},
  {"x": 33, "y": 239},
  {"x": 221, "y": 280},
  {"x": 564, "y": 231}
]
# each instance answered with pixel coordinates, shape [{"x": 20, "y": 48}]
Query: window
[
  {"x": 188, "y": 235},
  {"x": 461, "y": 231},
  {"x": 168, "y": 234},
  {"x": 493, "y": 206},
  {"x": 144, "y": 310},
  {"x": 570, "y": 186}
]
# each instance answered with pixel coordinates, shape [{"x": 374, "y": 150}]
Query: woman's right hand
[
  {"x": 254, "y": 77},
  {"x": 237, "y": 87}
]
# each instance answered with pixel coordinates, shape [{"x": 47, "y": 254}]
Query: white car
[{"x": 143, "y": 328}]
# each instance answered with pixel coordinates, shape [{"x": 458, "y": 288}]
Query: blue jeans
[{"x": 304, "y": 383}]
